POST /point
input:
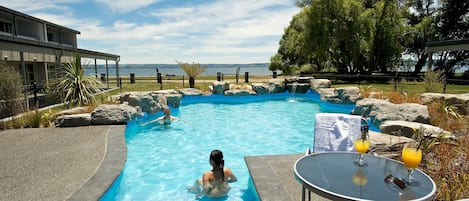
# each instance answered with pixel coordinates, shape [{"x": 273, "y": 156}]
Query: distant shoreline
[{"x": 174, "y": 69}]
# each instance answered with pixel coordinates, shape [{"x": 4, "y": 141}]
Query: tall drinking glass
[
  {"x": 411, "y": 156},
  {"x": 361, "y": 144}
]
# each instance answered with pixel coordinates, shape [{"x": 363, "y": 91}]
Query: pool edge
[
  {"x": 110, "y": 168},
  {"x": 268, "y": 183}
]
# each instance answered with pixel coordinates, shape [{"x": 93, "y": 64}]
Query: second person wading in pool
[{"x": 214, "y": 183}]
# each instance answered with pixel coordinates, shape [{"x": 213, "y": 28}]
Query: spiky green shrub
[
  {"x": 434, "y": 81},
  {"x": 192, "y": 70},
  {"x": 11, "y": 88},
  {"x": 34, "y": 119},
  {"x": 74, "y": 86}
]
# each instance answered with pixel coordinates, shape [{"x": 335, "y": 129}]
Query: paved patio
[
  {"x": 274, "y": 179},
  {"x": 60, "y": 163},
  {"x": 81, "y": 163}
]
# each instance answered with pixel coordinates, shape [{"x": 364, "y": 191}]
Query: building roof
[
  {"x": 447, "y": 45},
  {"x": 16, "y": 13}
]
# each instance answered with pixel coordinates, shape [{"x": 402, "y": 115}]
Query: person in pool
[
  {"x": 214, "y": 183},
  {"x": 166, "y": 118}
]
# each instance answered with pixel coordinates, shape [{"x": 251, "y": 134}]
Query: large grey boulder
[
  {"x": 460, "y": 101},
  {"x": 76, "y": 110},
  {"x": 73, "y": 120},
  {"x": 169, "y": 97},
  {"x": 166, "y": 91},
  {"x": 149, "y": 102},
  {"x": 407, "y": 129},
  {"x": 260, "y": 88},
  {"x": 173, "y": 99},
  {"x": 113, "y": 114},
  {"x": 191, "y": 92},
  {"x": 114, "y": 99},
  {"x": 344, "y": 95},
  {"x": 237, "y": 92},
  {"x": 276, "y": 86},
  {"x": 299, "y": 88},
  {"x": 220, "y": 87},
  {"x": 305, "y": 80},
  {"x": 381, "y": 110},
  {"x": 317, "y": 84},
  {"x": 240, "y": 87}
]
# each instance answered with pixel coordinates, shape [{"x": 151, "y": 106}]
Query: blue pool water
[{"x": 161, "y": 161}]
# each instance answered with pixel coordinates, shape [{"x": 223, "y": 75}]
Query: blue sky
[{"x": 162, "y": 31}]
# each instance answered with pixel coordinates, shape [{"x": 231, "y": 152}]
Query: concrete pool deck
[
  {"x": 81, "y": 163},
  {"x": 60, "y": 163}
]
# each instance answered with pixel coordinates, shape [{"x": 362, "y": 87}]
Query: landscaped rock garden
[{"x": 393, "y": 119}]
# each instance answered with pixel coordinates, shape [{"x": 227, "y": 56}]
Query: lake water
[{"x": 174, "y": 69}]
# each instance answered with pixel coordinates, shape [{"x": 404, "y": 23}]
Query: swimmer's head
[
  {"x": 217, "y": 158},
  {"x": 166, "y": 111}
]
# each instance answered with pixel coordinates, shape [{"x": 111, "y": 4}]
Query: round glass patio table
[{"x": 336, "y": 176}]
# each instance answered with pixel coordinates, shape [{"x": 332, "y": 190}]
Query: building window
[
  {"x": 5, "y": 27},
  {"x": 50, "y": 36},
  {"x": 30, "y": 75}
]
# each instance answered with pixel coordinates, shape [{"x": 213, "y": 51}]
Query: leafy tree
[
  {"x": 11, "y": 88},
  {"x": 192, "y": 70},
  {"x": 420, "y": 28},
  {"x": 291, "y": 49},
  {"x": 303, "y": 3},
  {"x": 371, "y": 35},
  {"x": 74, "y": 86},
  {"x": 339, "y": 32},
  {"x": 453, "y": 24},
  {"x": 276, "y": 63},
  {"x": 387, "y": 48}
]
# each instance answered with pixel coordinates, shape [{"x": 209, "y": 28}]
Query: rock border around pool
[{"x": 131, "y": 105}]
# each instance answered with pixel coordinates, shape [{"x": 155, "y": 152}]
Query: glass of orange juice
[
  {"x": 361, "y": 145},
  {"x": 411, "y": 156}
]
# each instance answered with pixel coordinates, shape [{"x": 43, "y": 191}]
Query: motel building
[{"x": 38, "y": 48}]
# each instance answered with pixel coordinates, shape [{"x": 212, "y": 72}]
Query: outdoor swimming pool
[{"x": 161, "y": 162}]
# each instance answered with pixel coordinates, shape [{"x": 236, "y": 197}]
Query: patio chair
[{"x": 335, "y": 132}]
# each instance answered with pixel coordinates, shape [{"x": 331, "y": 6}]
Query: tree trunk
[
  {"x": 420, "y": 62},
  {"x": 191, "y": 82}
]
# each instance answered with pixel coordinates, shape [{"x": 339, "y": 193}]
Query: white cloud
[
  {"x": 34, "y": 5},
  {"x": 230, "y": 31},
  {"x": 125, "y": 6}
]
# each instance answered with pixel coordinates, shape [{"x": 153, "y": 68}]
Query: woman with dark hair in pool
[{"x": 214, "y": 183}]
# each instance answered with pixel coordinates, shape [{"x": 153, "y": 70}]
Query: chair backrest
[{"x": 335, "y": 132}]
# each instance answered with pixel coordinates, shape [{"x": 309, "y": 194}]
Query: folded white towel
[{"x": 335, "y": 132}]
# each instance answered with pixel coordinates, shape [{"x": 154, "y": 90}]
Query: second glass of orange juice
[{"x": 411, "y": 156}]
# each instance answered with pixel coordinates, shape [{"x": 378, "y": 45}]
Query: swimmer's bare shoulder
[{"x": 229, "y": 176}]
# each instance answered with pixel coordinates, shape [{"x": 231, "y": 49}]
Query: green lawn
[
  {"x": 411, "y": 88},
  {"x": 202, "y": 83}
]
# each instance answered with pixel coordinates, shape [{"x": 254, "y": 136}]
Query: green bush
[
  {"x": 11, "y": 96},
  {"x": 434, "y": 81},
  {"x": 308, "y": 68},
  {"x": 34, "y": 119}
]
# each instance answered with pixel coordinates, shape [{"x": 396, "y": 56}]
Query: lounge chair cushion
[{"x": 335, "y": 132}]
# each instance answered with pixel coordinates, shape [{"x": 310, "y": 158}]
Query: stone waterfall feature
[{"x": 298, "y": 85}]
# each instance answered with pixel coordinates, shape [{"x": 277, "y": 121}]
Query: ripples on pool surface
[{"x": 161, "y": 161}]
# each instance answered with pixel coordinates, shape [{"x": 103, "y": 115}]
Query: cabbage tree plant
[
  {"x": 76, "y": 88},
  {"x": 192, "y": 70}
]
